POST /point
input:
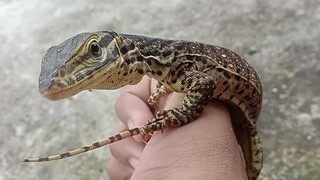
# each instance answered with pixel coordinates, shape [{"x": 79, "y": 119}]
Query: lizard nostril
[{"x": 62, "y": 72}]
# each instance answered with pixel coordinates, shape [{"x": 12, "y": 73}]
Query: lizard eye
[{"x": 95, "y": 48}]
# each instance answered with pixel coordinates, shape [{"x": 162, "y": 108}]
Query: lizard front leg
[{"x": 199, "y": 90}]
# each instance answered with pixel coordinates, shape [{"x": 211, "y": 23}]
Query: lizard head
[{"x": 85, "y": 61}]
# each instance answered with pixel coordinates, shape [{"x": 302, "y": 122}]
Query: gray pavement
[{"x": 280, "y": 39}]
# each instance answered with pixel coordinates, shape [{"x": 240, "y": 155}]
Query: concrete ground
[{"x": 280, "y": 39}]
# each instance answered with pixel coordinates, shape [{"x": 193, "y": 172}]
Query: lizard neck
[{"x": 146, "y": 56}]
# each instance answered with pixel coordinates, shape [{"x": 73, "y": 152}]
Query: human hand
[{"x": 203, "y": 149}]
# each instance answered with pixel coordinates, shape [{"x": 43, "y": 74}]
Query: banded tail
[{"x": 123, "y": 135}]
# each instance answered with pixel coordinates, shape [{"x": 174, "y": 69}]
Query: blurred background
[{"x": 280, "y": 39}]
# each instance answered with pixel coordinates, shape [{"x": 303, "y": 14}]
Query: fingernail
[
  {"x": 133, "y": 162},
  {"x": 130, "y": 124}
]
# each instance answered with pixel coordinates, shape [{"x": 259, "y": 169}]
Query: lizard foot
[{"x": 157, "y": 94}]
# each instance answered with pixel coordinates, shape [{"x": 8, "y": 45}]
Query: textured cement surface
[{"x": 281, "y": 39}]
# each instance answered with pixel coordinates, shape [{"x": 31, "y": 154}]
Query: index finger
[{"x": 132, "y": 105}]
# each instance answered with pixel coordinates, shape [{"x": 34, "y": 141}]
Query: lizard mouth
[
  {"x": 59, "y": 90},
  {"x": 57, "y": 94}
]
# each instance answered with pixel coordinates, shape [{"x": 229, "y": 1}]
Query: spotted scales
[{"x": 108, "y": 60}]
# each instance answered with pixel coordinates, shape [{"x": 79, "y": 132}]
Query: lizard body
[{"x": 107, "y": 60}]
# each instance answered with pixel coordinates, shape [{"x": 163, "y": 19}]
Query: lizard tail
[{"x": 109, "y": 140}]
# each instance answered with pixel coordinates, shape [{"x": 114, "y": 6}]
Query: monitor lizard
[{"x": 108, "y": 60}]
